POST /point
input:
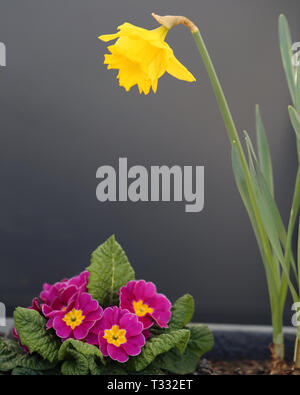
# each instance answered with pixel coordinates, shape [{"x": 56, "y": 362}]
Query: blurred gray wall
[{"x": 62, "y": 115}]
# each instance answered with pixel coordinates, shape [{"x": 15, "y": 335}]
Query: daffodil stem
[
  {"x": 234, "y": 139},
  {"x": 229, "y": 123}
]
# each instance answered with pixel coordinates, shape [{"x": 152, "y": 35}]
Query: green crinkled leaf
[
  {"x": 35, "y": 362},
  {"x": 111, "y": 368},
  {"x": 25, "y": 372},
  {"x": 31, "y": 327},
  {"x": 157, "y": 345},
  {"x": 151, "y": 370},
  {"x": 75, "y": 365},
  {"x": 79, "y": 358},
  {"x": 109, "y": 271},
  {"x": 182, "y": 312},
  {"x": 94, "y": 366},
  {"x": 84, "y": 348},
  {"x": 201, "y": 341},
  {"x": 12, "y": 356},
  {"x": 20, "y": 371}
]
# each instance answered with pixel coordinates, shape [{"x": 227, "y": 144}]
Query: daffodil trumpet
[{"x": 142, "y": 57}]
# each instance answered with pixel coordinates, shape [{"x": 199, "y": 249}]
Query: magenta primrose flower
[
  {"x": 58, "y": 296},
  {"x": 119, "y": 334},
  {"x": 51, "y": 293},
  {"x": 78, "y": 318},
  {"x": 142, "y": 299}
]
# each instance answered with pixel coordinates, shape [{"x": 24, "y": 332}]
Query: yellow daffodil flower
[{"x": 142, "y": 56}]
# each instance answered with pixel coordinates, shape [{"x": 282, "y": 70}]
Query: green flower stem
[{"x": 234, "y": 139}]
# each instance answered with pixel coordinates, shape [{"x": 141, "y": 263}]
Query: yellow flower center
[
  {"x": 141, "y": 309},
  {"x": 115, "y": 335},
  {"x": 74, "y": 318}
]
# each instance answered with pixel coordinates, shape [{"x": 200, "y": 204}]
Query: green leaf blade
[
  {"x": 109, "y": 271},
  {"x": 157, "y": 345},
  {"x": 79, "y": 358},
  {"x": 31, "y": 327},
  {"x": 286, "y": 54},
  {"x": 295, "y": 120},
  {"x": 201, "y": 341},
  {"x": 182, "y": 312},
  {"x": 264, "y": 154},
  {"x": 13, "y": 356}
]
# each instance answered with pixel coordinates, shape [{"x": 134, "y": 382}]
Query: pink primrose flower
[
  {"x": 58, "y": 296},
  {"x": 142, "y": 299},
  {"x": 119, "y": 334},
  {"x": 78, "y": 318}
]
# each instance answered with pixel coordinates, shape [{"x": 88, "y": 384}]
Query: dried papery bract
[{"x": 170, "y": 21}]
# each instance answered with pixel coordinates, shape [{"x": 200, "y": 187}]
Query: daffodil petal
[
  {"x": 109, "y": 37},
  {"x": 178, "y": 70},
  {"x": 154, "y": 85}
]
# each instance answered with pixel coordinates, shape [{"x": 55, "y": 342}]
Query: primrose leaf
[
  {"x": 151, "y": 370},
  {"x": 84, "y": 348},
  {"x": 12, "y": 356},
  {"x": 157, "y": 345},
  {"x": 201, "y": 341},
  {"x": 18, "y": 371},
  {"x": 75, "y": 365},
  {"x": 79, "y": 358},
  {"x": 110, "y": 368},
  {"x": 109, "y": 271},
  {"x": 31, "y": 327},
  {"x": 94, "y": 367},
  {"x": 182, "y": 312}
]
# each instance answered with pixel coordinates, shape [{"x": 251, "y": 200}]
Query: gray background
[{"x": 63, "y": 115}]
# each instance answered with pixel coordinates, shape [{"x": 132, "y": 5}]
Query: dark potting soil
[{"x": 239, "y": 368}]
